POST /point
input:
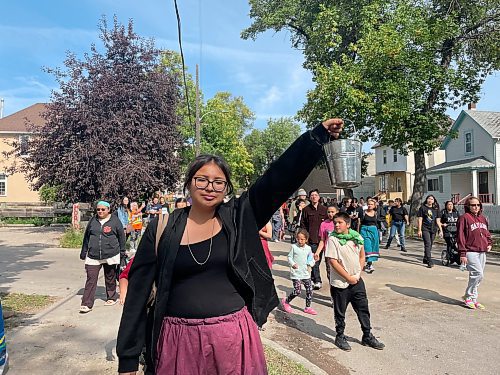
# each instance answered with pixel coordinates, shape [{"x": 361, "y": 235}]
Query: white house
[
  {"x": 472, "y": 160},
  {"x": 395, "y": 172}
]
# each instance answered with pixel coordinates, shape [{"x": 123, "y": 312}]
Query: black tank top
[
  {"x": 204, "y": 291},
  {"x": 369, "y": 220}
]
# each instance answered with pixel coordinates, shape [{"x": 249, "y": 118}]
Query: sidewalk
[{"x": 58, "y": 340}]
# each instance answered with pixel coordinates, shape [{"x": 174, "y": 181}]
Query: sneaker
[
  {"x": 469, "y": 303},
  {"x": 286, "y": 306},
  {"x": 85, "y": 309},
  {"x": 372, "y": 342},
  {"x": 341, "y": 342},
  {"x": 317, "y": 286},
  {"x": 310, "y": 310},
  {"x": 479, "y": 306},
  {"x": 369, "y": 268},
  {"x": 403, "y": 249},
  {"x": 430, "y": 264}
]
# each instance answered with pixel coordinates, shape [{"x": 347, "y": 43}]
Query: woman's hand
[
  {"x": 419, "y": 233},
  {"x": 316, "y": 256},
  {"x": 488, "y": 249},
  {"x": 463, "y": 260},
  {"x": 123, "y": 295},
  {"x": 334, "y": 126}
]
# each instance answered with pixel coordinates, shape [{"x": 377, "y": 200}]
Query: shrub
[{"x": 72, "y": 238}]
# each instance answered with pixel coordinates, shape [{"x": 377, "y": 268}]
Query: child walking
[
  {"x": 347, "y": 258},
  {"x": 301, "y": 260}
]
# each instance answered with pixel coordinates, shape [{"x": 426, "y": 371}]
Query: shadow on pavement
[
  {"x": 306, "y": 325},
  {"x": 15, "y": 259},
  {"x": 423, "y": 294}
]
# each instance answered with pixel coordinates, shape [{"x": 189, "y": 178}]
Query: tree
[
  {"x": 268, "y": 144},
  {"x": 111, "y": 128},
  {"x": 392, "y": 66},
  {"x": 225, "y": 120}
]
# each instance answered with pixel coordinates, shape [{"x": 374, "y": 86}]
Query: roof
[
  {"x": 488, "y": 120},
  {"x": 16, "y": 122},
  {"x": 465, "y": 164}
]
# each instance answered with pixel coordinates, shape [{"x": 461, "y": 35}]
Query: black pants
[
  {"x": 91, "y": 283},
  {"x": 428, "y": 238},
  {"x": 315, "y": 273},
  {"x": 356, "y": 296}
]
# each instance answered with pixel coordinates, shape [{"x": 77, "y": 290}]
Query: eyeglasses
[
  {"x": 101, "y": 209},
  {"x": 202, "y": 183},
  {"x": 474, "y": 205}
]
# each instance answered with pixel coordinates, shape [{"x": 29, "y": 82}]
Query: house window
[
  {"x": 384, "y": 156},
  {"x": 382, "y": 183},
  {"x": 3, "y": 185},
  {"x": 433, "y": 184},
  {"x": 395, "y": 156},
  {"x": 399, "y": 189},
  {"x": 23, "y": 145},
  {"x": 468, "y": 142}
]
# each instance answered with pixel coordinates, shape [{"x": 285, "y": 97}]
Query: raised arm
[{"x": 285, "y": 175}]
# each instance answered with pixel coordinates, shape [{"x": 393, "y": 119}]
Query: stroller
[{"x": 451, "y": 254}]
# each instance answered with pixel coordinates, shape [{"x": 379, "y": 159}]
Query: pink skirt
[{"x": 223, "y": 345}]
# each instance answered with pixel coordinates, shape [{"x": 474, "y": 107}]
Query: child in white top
[{"x": 301, "y": 260}]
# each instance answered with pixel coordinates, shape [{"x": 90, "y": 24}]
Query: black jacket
[
  {"x": 103, "y": 241},
  {"x": 241, "y": 219}
]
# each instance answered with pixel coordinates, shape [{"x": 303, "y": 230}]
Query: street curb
[
  {"x": 48, "y": 310},
  {"x": 294, "y": 356}
]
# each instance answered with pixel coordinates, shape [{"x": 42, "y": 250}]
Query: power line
[{"x": 179, "y": 36}]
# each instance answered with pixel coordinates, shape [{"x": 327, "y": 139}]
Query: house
[
  {"x": 395, "y": 172},
  {"x": 13, "y": 187},
  {"x": 472, "y": 160}
]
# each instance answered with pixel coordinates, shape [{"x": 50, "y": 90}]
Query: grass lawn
[
  {"x": 278, "y": 364},
  {"x": 17, "y": 306}
]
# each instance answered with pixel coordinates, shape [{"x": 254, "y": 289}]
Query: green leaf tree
[
  {"x": 268, "y": 144},
  {"x": 392, "y": 66}
]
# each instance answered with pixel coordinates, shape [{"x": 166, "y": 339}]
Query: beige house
[
  {"x": 395, "y": 172},
  {"x": 13, "y": 187}
]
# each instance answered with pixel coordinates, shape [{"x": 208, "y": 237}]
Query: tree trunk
[{"x": 419, "y": 182}]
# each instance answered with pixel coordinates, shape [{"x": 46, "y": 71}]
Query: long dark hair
[
  {"x": 435, "y": 205},
  {"x": 202, "y": 160},
  {"x": 446, "y": 204}
]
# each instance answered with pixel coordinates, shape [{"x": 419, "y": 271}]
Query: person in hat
[
  {"x": 301, "y": 194},
  {"x": 103, "y": 245}
]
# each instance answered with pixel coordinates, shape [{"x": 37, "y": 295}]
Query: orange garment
[{"x": 135, "y": 218}]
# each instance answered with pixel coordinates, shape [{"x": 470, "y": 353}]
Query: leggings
[{"x": 297, "y": 290}]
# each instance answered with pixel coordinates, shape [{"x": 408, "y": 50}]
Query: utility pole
[{"x": 198, "y": 122}]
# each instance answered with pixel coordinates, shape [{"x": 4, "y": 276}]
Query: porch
[{"x": 465, "y": 178}]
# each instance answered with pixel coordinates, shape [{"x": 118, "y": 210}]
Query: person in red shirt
[{"x": 474, "y": 241}]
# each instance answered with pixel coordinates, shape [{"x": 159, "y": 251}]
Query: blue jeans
[
  {"x": 399, "y": 227},
  {"x": 277, "y": 224}
]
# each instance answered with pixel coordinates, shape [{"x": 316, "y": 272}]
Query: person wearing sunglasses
[
  {"x": 474, "y": 241},
  {"x": 214, "y": 287},
  {"x": 103, "y": 246}
]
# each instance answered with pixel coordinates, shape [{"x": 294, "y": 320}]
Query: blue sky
[{"x": 267, "y": 72}]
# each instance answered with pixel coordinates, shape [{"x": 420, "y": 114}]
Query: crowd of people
[
  {"x": 363, "y": 224},
  {"x": 201, "y": 270}
]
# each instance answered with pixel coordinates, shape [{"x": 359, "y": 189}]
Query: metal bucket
[{"x": 343, "y": 159}]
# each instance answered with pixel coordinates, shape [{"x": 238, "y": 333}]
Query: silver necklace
[{"x": 209, "y": 250}]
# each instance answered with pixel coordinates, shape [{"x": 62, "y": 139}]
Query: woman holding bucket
[{"x": 203, "y": 301}]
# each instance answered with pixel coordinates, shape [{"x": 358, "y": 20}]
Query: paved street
[{"x": 415, "y": 311}]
